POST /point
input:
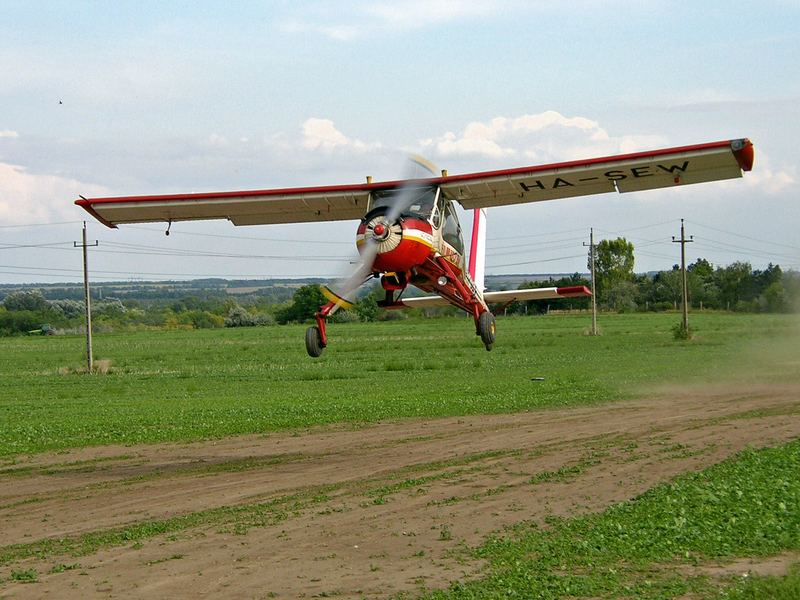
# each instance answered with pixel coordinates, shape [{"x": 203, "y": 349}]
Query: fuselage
[{"x": 416, "y": 239}]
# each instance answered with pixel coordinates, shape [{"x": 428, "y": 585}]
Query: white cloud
[
  {"x": 32, "y": 198},
  {"x": 766, "y": 178},
  {"x": 321, "y": 134},
  {"x": 7, "y": 133},
  {"x": 348, "y": 21},
  {"x": 543, "y": 137}
]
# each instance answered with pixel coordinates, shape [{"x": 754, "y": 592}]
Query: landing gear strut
[
  {"x": 316, "y": 336},
  {"x": 486, "y": 328}
]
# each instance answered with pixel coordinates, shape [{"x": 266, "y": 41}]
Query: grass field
[
  {"x": 640, "y": 500},
  {"x": 185, "y": 385}
]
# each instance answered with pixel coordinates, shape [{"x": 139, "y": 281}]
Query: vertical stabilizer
[{"x": 477, "y": 249}]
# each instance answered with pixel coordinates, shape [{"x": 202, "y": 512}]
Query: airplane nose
[{"x": 380, "y": 230}]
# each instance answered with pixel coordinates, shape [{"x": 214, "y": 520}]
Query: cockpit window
[
  {"x": 418, "y": 201},
  {"x": 451, "y": 232}
]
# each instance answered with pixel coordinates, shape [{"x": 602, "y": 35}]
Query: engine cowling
[{"x": 401, "y": 245}]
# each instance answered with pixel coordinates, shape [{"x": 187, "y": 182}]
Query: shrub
[
  {"x": 69, "y": 309},
  {"x": 238, "y": 316},
  {"x": 20, "y": 321},
  {"x": 27, "y": 300}
]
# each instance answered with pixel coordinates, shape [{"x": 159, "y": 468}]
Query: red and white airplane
[{"x": 409, "y": 233}]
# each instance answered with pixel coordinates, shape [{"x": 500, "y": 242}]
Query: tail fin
[{"x": 477, "y": 249}]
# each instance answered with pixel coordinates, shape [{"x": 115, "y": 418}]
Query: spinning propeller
[{"x": 383, "y": 234}]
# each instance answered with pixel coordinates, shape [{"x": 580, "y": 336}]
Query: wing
[
  {"x": 624, "y": 173},
  {"x": 252, "y": 207},
  {"x": 507, "y": 296}
]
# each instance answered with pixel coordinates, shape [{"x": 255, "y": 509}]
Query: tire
[
  {"x": 486, "y": 329},
  {"x": 314, "y": 345}
]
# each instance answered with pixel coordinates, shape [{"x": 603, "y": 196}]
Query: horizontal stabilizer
[
  {"x": 506, "y": 296},
  {"x": 575, "y": 291}
]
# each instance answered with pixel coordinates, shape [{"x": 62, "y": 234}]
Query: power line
[
  {"x": 643, "y": 227},
  {"x": 557, "y": 247},
  {"x": 144, "y": 251},
  {"x": 39, "y": 224},
  {"x": 533, "y": 262},
  {"x": 48, "y": 245},
  {"x": 240, "y": 237},
  {"x": 549, "y": 233},
  {"x": 137, "y": 275},
  {"x": 537, "y": 244},
  {"x": 743, "y": 236},
  {"x": 241, "y": 256},
  {"x": 733, "y": 247}
]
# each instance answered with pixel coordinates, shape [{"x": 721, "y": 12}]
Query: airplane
[{"x": 409, "y": 233}]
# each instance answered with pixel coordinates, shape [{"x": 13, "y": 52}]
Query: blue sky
[{"x": 190, "y": 96}]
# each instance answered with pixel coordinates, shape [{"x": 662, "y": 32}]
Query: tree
[
  {"x": 306, "y": 301},
  {"x": 702, "y": 268},
  {"x": 733, "y": 282},
  {"x": 26, "y": 300},
  {"x": 774, "y": 298},
  {"x": 669, "y": 286},
  {"x": 613, "y": 264},
  {"x": 622, "y": 296},
  {"x": 367, "y": 308}
]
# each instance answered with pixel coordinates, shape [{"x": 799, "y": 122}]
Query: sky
[{"x": 100, "y": 98}]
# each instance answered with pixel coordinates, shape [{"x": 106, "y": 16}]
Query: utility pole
[
  {"x": 594, "y": 296},
  {"x": 683, "y": 241},
  {"x": 87, "y": 298}
]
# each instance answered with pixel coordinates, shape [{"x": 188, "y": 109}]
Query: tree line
[{"x": 736, "y": 287}]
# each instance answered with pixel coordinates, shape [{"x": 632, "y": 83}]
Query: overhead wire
[
  {"x": 39, "y": 224},
  {"x": 241, "y": 237},
  {"x": 740, "y": 235},
  {"x": 49, "y": 245},
  {"x": 737, "y": 249},
  {"x": 548, "y": 233},
  {"x": 533, "y": 262}
]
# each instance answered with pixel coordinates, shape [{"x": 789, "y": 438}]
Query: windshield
[{"x": 418, "y": 201}]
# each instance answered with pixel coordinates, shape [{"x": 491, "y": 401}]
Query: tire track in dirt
[{"x": 399, "y": 497}]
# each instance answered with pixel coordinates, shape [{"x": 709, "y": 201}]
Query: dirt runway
[{"x": 351, "y": 513}]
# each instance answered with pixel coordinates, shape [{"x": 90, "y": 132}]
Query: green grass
[
  {"x": 748, "y": 505},
  {"x": 189, "y": 385}
]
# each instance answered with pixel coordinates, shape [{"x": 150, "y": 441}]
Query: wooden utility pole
[
  {"x": 594, "y": 296},
  {"x": 87, "y": 298},
  {"x": 683, "y": 241}
]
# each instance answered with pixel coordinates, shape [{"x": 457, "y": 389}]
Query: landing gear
[
  {"x": 486, "y": 328},
  {"x": 314, "y": 345}
]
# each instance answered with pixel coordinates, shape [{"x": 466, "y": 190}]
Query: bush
[
  {"x": 392, "y": 315},
  {"x": 679, "y": 332},
  {"x": 28, "y": 300},
  {"x": 20, "y": 321},
  {"x": 661, "y": 306},
  {"x": 238, "y": 316},
  {"x": 202, "y": 319},
  {"x": 345, "y": 316}
]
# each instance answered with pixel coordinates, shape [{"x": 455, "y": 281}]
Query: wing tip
[
  {"x": 86, "y": 204},
  {"x": 744, "y": 152}
]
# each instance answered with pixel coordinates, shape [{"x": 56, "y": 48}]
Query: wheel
[
  {"x": 486, "y": 329},
  {"x": 314, "y": 345}
]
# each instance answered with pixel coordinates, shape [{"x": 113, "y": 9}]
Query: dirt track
[{"x": 367, "y": 512}]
